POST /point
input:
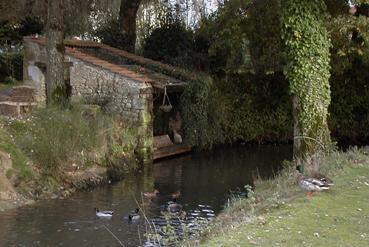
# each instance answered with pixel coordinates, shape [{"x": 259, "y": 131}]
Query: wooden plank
[
  {"x": 171, "y": 151},
  {"x": 162, "y": 141}
]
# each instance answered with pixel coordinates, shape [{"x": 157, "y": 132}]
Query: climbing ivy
[
  {"x": 202, "y": 116},
  {"x": 307, "y": 49}
]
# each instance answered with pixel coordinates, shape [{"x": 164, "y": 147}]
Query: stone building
[{"x": 122, "y": 83}]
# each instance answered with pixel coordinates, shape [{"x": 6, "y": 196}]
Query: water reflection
[{"x": 201, "y": 179}]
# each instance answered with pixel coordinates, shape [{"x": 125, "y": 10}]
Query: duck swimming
[
  {"x": 151, "y": 195},
  {"x": 174, "y": 207},
  {"x": 103, "y": 214},
  {"x": 134, "y": 215},
  {"x": 311, "y": 184}
]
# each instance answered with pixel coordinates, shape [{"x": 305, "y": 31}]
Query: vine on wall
[
  {"x": 307, "y": 49},
  {"x": 201, "y": 114}
]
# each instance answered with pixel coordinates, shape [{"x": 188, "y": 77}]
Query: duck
[
  {"x": 174, "y": 207},
  {"x": 176, "y": 194},
  {"x": 311, "y": 184},
  {"x": 151, "y": 195},
  {"x": 322, "y": 178},
  {"x": 177, "y": 138},
  {"x": 134, "y": 215},
  {"x": 103, "y": 214}
]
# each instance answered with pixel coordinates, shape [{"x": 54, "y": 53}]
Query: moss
[{"x": 144, "y": 155}]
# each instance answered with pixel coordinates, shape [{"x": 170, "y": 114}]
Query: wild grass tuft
[
  {"x": 21, "y": 164},
  {"x": 54, "y": 137}
]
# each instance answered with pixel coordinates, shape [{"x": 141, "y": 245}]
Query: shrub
[
  {"x": 171, "y": 43},
  {"x": 11, "y": 65},
  {"x": 111, "y": 34},
  {"x": 259, "y": 107},
  {"x": 350, "y": 58},
  {"x": 201, "y": 113}
]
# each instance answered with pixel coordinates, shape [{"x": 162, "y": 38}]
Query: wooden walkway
[{"x": 164, "y": 147}]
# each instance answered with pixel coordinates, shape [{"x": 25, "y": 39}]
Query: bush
[
  {"x": 171, "y": 43},
  {"x": 11, "y": 65},
  {"x": 202, "y": 114},
  {"x": 111, "y": 34},
  {"x": 349, "y": 81},
  {"x": 11, "y": 34},
  {"x": 259, "y": 107},
  {"x": 222, "y": 41}
]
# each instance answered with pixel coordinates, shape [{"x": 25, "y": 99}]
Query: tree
[
  {"x": 264, "y": 31},
  {"x": 55, "y": 86},
  {"x": 307, "y": 48},
  {"x": 127, "y": 18}
]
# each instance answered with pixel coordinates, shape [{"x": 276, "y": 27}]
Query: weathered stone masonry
[{"x": 116, "y": 89}]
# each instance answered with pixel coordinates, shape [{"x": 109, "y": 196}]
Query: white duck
[
  {"x": 103, "y": 214},
  {"x": 174, "y": 207}
]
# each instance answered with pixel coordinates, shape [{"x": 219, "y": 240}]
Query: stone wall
[{"x": 125, "y": 97}]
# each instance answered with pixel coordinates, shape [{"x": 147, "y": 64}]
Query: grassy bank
[
  {"x": 55, "y": 151},
  {"x": 279, "y": 213}
]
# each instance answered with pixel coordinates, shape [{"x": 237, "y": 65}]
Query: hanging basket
[{"x": 166, "y": 106}]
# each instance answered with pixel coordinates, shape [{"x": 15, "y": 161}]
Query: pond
[{"x": 203, "y": 180}]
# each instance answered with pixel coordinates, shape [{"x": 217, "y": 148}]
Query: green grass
[
  {"x": 339, "y": 217},
  {"x": 55, "y": 138},
  {"x": 21, "y": 164}
]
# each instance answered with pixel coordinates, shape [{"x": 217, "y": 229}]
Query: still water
[{"x": 202, "y": 179}]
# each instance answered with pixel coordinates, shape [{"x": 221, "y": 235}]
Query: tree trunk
[
  {"x": 297, "y": 157},
  {"x": 55, "y": 86},
  {"x": 127, "y": 18}
]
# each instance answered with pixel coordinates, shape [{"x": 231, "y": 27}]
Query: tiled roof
[
  {"x": 93, "y": 60},
  {"x": 71, "y": 49}
]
